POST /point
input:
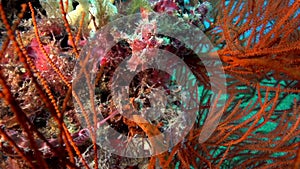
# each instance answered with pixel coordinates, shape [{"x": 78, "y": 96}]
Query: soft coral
[{"x": 36, "y": 53}]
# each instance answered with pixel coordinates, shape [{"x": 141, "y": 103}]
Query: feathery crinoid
[{"x": 256, "y": 40}]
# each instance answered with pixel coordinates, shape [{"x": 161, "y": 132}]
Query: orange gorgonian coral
[{"x": 257, "y": 40}]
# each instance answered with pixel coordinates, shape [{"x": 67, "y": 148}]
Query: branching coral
[{"x": 258, "y": 42}]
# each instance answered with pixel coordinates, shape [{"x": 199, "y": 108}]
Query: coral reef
[{"x": 43, "y": 41}]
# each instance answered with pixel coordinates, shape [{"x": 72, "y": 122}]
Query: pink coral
[
  {"x": 167, "y": 6},
  {"x": 39, "y": 58}
]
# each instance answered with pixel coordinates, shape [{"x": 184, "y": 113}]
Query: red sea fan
[{"x": 258, "y": 42}]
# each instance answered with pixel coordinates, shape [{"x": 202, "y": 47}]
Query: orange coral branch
[
  {"x": 70, "y": 36},
  {"x": 55, "y": 68}
]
